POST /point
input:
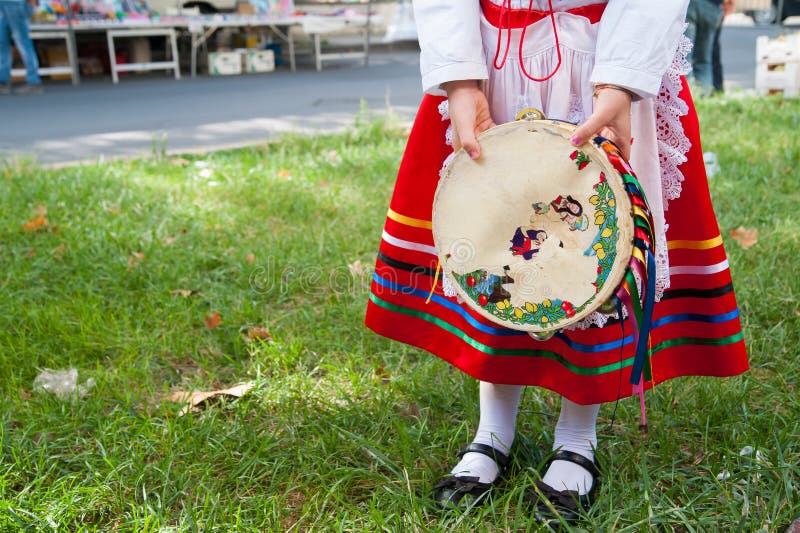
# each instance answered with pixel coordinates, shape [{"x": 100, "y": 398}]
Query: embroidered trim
[
  {"x": 673, "y": 145},
  {"x": 449, "y": 289},
  {"x": 446, "y": 162},
  {"x": 595, "y": 319},
  {"x": 444, "y": 109}
]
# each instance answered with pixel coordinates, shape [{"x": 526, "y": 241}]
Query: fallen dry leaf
[
  {"x": 250, "y": 258},
  {"x": 59, "y": 251},
  {"x": 195, "y": 399},
  {"x": 134, "y": 260},
  {"x": 284, "y": 174},
  {"x": 31, "y": 252},
  {"x": 258, "y": 333},
  {"x": 411, "y": 412},
  {"x": 36, "y": 223},
  {"x": 39, "y": 437},
  {"x": 745, "y": 237},
  {"x": 180, "y": 162},
  {"x": 25, "y": 395},
  {"x": 357, "y": 270},
  {"x": 383, "y": 374},
  {"x": 213, "y": 320},
  {"x": 184, "y": 293}
]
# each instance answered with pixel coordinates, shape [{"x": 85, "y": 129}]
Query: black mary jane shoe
[
  {"x": 565, "y": 505},
  {"x": 466, "y": 491}
]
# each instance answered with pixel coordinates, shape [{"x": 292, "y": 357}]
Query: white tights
[
  {"x": 575, "y": 432},
  {"x": 496, "y": 428}
]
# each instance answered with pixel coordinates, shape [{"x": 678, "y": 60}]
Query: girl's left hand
[{"x": 611, "y": 119}]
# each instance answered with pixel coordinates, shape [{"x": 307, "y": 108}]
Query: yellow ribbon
[
  {"x": 435, "y": 281},
  {"x": 695, "y": 245},
  {"x": 408, "y": 221}
]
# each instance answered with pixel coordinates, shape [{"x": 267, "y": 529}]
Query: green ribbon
[{"x": 516, "y": 352}]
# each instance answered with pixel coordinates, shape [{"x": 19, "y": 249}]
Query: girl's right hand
[{"x": 469, "y": 114}]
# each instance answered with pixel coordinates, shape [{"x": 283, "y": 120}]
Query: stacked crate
[{"x": 778, "y": 65}]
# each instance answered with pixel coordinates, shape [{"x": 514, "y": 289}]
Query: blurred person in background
[
  {"x": 704, "y": 19},
  {"x": 14, "y": 23}
]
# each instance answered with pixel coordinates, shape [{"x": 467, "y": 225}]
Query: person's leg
[
  {"x": 575, "y": 432},
  {"x": 497, "y": 426},
  {"x": 5, "y": 48},
  {"x": 708, "y": 20},
  {"x": 716, "y": 62},
  {"x": 20, "y": 30}
]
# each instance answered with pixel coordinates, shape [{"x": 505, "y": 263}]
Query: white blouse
[{"x": 636, "y": 42}]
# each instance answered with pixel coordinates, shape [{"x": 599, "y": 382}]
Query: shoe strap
[
  {"x": 491, "y": 452},
  {"x": 591, "y": 466}
]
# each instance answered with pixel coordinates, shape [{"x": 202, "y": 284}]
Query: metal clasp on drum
[{"x": 530, "y": 113}]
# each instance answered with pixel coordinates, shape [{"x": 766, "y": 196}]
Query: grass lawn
[{"x": 154, "y": 275}]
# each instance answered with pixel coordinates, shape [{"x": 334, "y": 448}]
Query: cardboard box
[
  {"x": 258, "y": 61},
  {"x": 56, "y": 55},
  {"x": 224, "y": 63},
  {"x": 245, "y": 8},
  {"x": 139, "y": 50},
  {"x": 251, "y": 40}
]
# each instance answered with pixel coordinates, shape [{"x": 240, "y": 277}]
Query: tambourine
[{"x": 537, "y": 234}]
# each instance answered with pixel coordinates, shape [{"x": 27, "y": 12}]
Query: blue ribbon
[{"x": 642, "y": 350}]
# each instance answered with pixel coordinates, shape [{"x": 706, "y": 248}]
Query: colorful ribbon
[{"x": 643, "y": 264}]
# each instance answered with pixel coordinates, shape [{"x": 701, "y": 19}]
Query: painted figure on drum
[
  {"x": 527, "y": 241},
  {"x": 568, "y": 210},
  {"x": 571, "y": 212}
]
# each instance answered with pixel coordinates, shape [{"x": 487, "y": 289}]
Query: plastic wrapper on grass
[{"x": 62, "y": 383}]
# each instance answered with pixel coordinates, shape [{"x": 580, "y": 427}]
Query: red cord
[
  {"x": 505, "y": 8},
  {"x": 558, "y": 46}
]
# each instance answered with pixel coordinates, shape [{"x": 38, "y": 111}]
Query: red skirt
[{"x": 696, "y": 329}]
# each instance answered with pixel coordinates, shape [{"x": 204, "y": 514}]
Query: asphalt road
[{"x": 98, "y": 119}]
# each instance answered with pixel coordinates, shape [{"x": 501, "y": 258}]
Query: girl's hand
[
  {"x": 469, "y": 114},
  {"x": 611, "y": 119}
]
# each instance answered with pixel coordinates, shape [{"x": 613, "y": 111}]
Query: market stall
[
  {"x": 133, "y": 20},
  {"x": 331, "y": 18}
]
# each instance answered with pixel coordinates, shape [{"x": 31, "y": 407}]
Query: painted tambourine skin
[{"x": 536, "y": 234}]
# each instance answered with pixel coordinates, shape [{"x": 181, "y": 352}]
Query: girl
[{"x": 616, "y": 68}]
